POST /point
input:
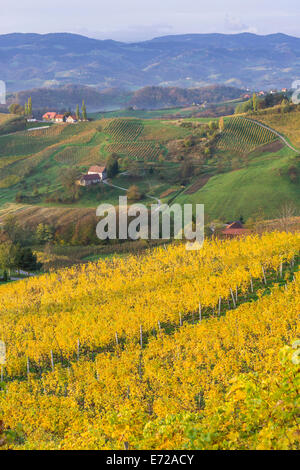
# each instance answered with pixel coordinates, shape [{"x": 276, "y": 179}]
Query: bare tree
[{"x": 286, "y": 213}]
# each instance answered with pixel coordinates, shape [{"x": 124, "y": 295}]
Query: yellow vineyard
[{"x": 171, "y": 350}]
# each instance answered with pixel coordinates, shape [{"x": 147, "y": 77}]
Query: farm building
[
  {"x": 50, "y": 116},
  {"x": 71, "y": 119},
  {"x": 88, "y": 180},
  {"x": 235, "y": 229},
  {"x": 59, "y": 118},
  {"x": 98, "y": 170}
]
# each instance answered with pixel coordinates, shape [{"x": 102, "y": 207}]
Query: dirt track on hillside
[{"x": 198, "y": 185}]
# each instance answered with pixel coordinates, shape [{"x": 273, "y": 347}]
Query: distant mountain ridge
[
  {"x": 192, "y": 60},
  {"x": 152, "y": 97}
]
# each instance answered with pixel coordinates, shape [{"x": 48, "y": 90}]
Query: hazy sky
[{"x": 131, "y": 20}]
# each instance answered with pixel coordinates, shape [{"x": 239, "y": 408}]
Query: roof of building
[
  {"x": 97, "y": 169},
  {"x": 50, "y": 115},
  {"x": 59, "y": 116},
  {"x": 236, "y": 224},
  {"x": 90, "y": 177},
  {"x": 73, "y": 117}
]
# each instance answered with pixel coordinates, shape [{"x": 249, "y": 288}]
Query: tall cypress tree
[
  {"x": 83, "y": 111},
  {"x": 29, "y": 106},
  {"x": 77, "y": 113},
  {"x": 254, "y": 102}
]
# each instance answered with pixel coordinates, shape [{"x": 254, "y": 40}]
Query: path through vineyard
[{"x": 283, "y": 139}]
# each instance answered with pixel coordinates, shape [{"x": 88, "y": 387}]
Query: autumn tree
[
  {"x": 12, "y": 229},
  {"x": 221, "y": 124},
  {"x": 16, "y": 108},
  {"x": 133, "y": 193},
  {"x": 286, "y": 212},
  {"x": 44, "y": 233}
]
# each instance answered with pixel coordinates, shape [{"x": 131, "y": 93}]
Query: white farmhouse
[{"x": 98, "y": 170}]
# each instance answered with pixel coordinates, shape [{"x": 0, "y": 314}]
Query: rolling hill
[
  {"x": 262, "y": 187},
  {"x": 193, "y": 60},
  {"x": 239, "y": 171}
]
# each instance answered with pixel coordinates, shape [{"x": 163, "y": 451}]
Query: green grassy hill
[
  {"x": 238, "y": 171},
  {"x": 264, "y": 185}
]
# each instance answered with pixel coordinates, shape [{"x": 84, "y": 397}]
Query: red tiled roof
[
  {"x": 59, "y": 116},
  {"x": 49, "y": 115},
  {"x": 236, "y": 224},
  {"x": 97, "y": 169}
]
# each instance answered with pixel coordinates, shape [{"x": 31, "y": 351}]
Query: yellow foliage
[{"x": 227, "y": 382}]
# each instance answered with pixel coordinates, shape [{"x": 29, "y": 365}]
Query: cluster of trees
[
  {"x": 16, "y": 257},
  {"x": 157, "y": 97},
  {"x": 15, "y": 252},
  {"x": 28, "y": 107},
  {"x": 16, "y": 242},
  {"x": 79, "y": 233},
  {"x": 26, "y": 110},
  {"x": 83, "y": 115},
  {"x": 16, "y": 108},
  {"x": 202, "y": 143},
  {"x": 256, "y": 103}
]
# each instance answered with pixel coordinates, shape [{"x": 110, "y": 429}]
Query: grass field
[{"x": 263, "y": 185}]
